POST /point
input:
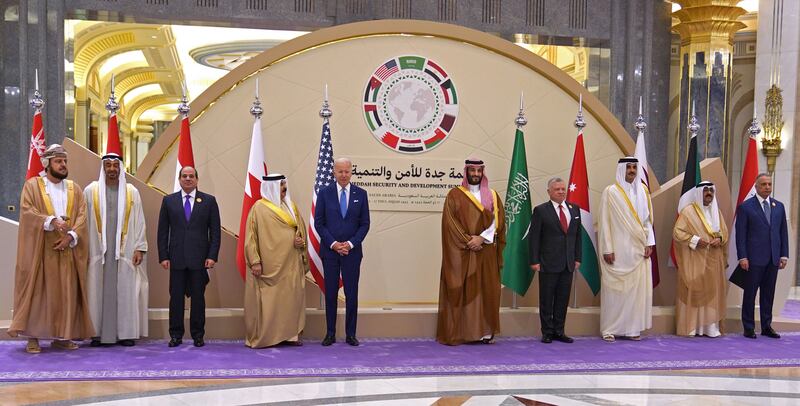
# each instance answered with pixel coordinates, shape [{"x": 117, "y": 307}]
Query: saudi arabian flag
[
  {"x": 517, "y": 274},
  {"x": 578, "y": 193}
]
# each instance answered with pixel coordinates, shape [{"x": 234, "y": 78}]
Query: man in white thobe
[
  {"x": 626, "y": 240},
  {"x": 117, "y": 279}
]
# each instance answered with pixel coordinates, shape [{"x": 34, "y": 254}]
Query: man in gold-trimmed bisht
[
  {"x": 625, "y": 238},
  {"x": 701, "y": 250},
  {"x": 274, "y": 295},
  {"x": 473, "y": 237},
  {"x": 50, "y": 277},
  {"x": 117, "y": 278}
]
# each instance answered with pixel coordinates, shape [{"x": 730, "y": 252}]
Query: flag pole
[
  {"x": 579, "y": 124},
  {"x": 520, "y": 122},
  {"x": 326, "y": 114}
]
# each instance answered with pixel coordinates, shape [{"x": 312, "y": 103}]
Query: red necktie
[{"x": 563, "y": 218}]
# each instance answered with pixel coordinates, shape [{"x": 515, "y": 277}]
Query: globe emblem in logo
[{"x": 410, "y": 104}]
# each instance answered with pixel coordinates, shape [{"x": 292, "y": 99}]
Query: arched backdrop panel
[{"x": 403, "y": 249}]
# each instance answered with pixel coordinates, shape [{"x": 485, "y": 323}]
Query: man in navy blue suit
[
  {"x": 341, "y": 218},
  {"x": 762, "y": 245},
  {"x": 188, "y": 245}
]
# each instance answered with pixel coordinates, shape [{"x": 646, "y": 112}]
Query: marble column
[
  {"x": 777, "y": 63},
  {"x": 706, "y": 29}
]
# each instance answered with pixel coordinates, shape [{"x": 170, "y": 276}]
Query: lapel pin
[
  {"x": 569, "y": 205},
  {"x": 198, "y": 200},
  {"x": 773, "y": 204}
]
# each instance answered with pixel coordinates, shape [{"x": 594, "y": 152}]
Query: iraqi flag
[
  {"x": 578, "y": 193},
  {"x": 747, "y": 189},
  {"x": 641, "y": 155},
  {"x": 185, "y": 154},
  {"x": 691, "y": 177},
  {"x": 37, "y": 147},
  {"x": 256, "y": 169}
]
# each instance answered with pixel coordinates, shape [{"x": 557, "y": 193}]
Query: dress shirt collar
[
  {"x": 475, "y": 188},
  {"x": 563, "y": 204},
  {"x": 193, "y": 193},
  {"x": 340, "y": 187},
  {"x": 761, "y": 201}
]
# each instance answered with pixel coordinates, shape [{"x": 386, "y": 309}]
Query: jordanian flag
[
  {"x": 517, "y": 274},
  {"x": 578, "y": 193}
]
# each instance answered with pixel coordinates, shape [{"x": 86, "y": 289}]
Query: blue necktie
[
  {"x": 187, "y": 208},
  {"x": 343, "y": 202},
  {"x": 767, "y": 210}
]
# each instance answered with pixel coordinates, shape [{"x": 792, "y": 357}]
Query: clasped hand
[
  {"x": 475, "y": 243},
  {"x": 341, "y": 248}
]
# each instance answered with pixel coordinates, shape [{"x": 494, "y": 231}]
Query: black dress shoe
[
  {"x": 770, "y": 333},
  {"x": 352, "y": 340},
  {"x": 750, "y": 334},
  {"x": 547, "y": 339},
  {"x": 95, "y": 343},
  {"x": 198, "y": 342},
  {"x": 328, "y": 340},
  {"x": 563, "y": 338},
  {"x": 174, "y": 342},
  {"x": 126, "y": 343}
]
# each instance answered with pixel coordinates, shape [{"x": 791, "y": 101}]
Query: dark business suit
[
  {"x": 332, "y": 227},
  {"x": 763, "y": 243},
  {"x": 556, "y": 252},
  {"x": 187, "y": 245}
]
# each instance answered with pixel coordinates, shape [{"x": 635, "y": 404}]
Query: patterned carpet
[{"x": 152, "y": 359}]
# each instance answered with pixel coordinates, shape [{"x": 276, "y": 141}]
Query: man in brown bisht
[
  {"x": 701, "y": 249},
  {"x": 52, "y": 256},
  {"x": 274, "y": 293},
  {"x": 473, "y": 237}
]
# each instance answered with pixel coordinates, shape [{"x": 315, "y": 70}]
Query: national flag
[
  {"x": 387, "y": 70},
  {"x": 641, "y": 155},
  {"x": 578, "y": 193},
  {"x": 517, "y": 274},
  {"x": 323, "y": 178},
  {"x": 185, "y": 154},
  {"x": 37, "y": 147},
  {"x": 691, "y": 177},
  {"x": 113, "y": 145},
  {"x": 747, "y": 189},
  {"x": 256, "y": 169}
]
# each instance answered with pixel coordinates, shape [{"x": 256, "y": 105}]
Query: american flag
[
  {"x": 324, "y": 178},
  {"x": 386, "y": 70}
]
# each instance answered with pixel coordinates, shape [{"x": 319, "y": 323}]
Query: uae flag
[
  {"x": 691, "y": 177},
  {"x": 644, "y": 176},
  {"x": 256, "y": 169},
  {"x": 747, "y": 189},
  {"x": 37, "y": 147},
  {"x": 578, "y": 193},
  {"x": 185, "y": 154},
  {"x": 517, "y": 274}
]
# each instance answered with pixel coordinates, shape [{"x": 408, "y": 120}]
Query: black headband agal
[
  {"x": 628, "y": 160},
  {"x": 273, "y": 177},
  {"x": 112, "y": 156},
  {"x": 705, "y": 183},
  {"x": 471, "y": 162}
]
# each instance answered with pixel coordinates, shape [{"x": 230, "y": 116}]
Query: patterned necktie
[
  {"x": 767, "y": 210},
  {"x": 343, "y": 202},
  {"x": 187, "y": 208},
  {"x": 563, "y": 218}
]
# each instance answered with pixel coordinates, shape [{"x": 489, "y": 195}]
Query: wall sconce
[{"x": 773, "y": 125}]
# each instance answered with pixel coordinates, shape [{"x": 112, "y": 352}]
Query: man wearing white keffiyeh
[
  {"x": 117, "y": 279},
  {"x": 625, "y": 238}
]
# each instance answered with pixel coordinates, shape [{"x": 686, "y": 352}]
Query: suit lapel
[
  {"x": 760, "y": 210},
  {"x": 554, "y": 216}
]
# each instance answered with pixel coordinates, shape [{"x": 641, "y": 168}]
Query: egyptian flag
[{"x": 185, "y": 154}]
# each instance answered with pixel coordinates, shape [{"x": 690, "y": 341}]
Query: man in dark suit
[
  {"x": 341, "y": 219},
  {"x": 188, "y": 245},
  {"x": 762, "y": 245},
  {"x": 555, "y": 249}
]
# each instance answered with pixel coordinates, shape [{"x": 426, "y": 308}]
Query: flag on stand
[
  {"x": 324, "y": 177},
  {"x": 641, "y": 155},
  {"x": 517, "y": 274},
  {"x": 37, "y": 146},
  {"x": 113, "y": 145},
  {"x": 747, "y": 189},
  {"x": 185, "y": 154},
  {"x": 578, "y": 193},
  {"x": 256, "y": 169},
  {"x": 691, "y": 177}
]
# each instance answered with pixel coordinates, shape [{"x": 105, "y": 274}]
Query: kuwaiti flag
[
  {"x": 256, "y": 169},
  {"x": 747, "y": 189},
  {"x": 185, "y": 154},
  {"x": 37, "y": 147},
  {"x": 578, "y": 193},
  {"x": 641, "y": 155},
  {"x": 691, "y": 177}
]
